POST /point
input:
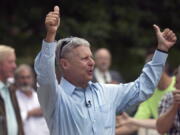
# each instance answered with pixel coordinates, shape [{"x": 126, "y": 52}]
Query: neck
[
  {"x": 76, "y": 83},
  {"x": 164, "y": 82}
]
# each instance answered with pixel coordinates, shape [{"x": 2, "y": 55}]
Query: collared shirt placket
[{"x": 91, "y": 108}]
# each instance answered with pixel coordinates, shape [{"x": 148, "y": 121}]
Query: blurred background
[{"x": 124, "y": 27}]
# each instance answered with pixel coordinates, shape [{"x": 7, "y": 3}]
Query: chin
[
  {"x": 10, "y": 75},
  {"x": 90, "y": 78}
]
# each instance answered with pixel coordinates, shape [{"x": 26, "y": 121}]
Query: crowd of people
[
  {"x": 20, "y": 112},
  {"x": 74, "y": 94}
]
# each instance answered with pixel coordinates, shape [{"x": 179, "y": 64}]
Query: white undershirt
[{"x": 32, "y": 125}]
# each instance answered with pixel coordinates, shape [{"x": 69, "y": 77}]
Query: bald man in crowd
[{"x": 102, "y": 73}]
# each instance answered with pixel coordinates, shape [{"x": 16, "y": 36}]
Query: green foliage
[{"x": 124, "y": 27}]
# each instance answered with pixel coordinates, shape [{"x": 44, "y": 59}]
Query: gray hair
[
  {"x": 5, "y": 51},
  {"x": 66, "y": 45},
  {"x": 21, "y": 68}
]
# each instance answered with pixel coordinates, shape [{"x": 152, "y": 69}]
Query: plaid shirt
[{"x": 165, "y": 104}]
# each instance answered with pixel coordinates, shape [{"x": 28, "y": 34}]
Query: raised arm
[
  {"x": 125, "y": 95},
  {"x": 45, "y": 65}
]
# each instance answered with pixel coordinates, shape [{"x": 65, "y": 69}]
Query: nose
[
  {"x": 91, "y": 62},
  {"x": 14, "y": 66}
]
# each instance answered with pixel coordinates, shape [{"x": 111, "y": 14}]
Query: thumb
[
  {"x": 156, "y": 28},
  {"x": 56, "y": 8}
]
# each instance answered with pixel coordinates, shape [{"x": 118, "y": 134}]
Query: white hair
[{"x": 5, "y": 51}]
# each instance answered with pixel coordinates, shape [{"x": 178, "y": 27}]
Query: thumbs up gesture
[
  {"x": 52, "y": 23},
  {"x": 166, "y": 39}
]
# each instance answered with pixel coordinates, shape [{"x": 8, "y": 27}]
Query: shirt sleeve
[
  {"x": 126, "y": 95},
  {"x": 165, "y": 103},
  {"x": 143, "y": 111},
  {"x": 47, "y": 84}
]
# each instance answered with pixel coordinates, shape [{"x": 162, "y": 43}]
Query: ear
[{"x": 64, "y": 63}]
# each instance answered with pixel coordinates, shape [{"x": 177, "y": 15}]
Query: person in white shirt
[{"x": 31, "y": 113}]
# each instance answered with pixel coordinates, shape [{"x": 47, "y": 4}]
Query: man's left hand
[{"x": 166, "y": 39}]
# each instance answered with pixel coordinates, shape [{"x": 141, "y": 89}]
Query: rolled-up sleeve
[{"x": 125, "y": 95}]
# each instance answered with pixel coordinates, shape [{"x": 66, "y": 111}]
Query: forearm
[
  {"x": 152, "y": 73},
  {"x": 165, "y": 121},
  {"x": 45, "y": 70},
  {"x": 149, "y": 78},
  {"x": 50, "y": 37},
  {"x": 37, "y": 112},
  {"x": 44, "y": 63},
  {"x": 147, "y": 123},
  {"x": 144, "y": 86},
  {"x": 46, "y": 77},
  {"x": 126, "y": 129}
]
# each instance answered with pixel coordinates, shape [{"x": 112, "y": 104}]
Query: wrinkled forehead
[{"x": 82, "y": 51}]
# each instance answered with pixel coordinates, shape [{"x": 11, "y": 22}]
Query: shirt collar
[
  {"x": 2, "y": 85},
  {"x": 69, "y": 87}
]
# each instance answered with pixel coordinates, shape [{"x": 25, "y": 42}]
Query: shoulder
[
  {"x": 96, "y": 85},
  {"x": 104, "y": 88}
]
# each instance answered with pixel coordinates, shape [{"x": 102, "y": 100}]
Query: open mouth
[{"x": 90, "y": 72}]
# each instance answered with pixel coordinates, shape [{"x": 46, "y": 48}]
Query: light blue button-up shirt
[
  {"x": 91, "y": 111},
  {"x": 11, "y": 121}
]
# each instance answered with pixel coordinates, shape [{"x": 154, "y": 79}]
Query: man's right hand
[
  {"x": 52, "y": 23},
  {"x": 36, "y": 112},
  {"x": 123, "y": 120}
]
